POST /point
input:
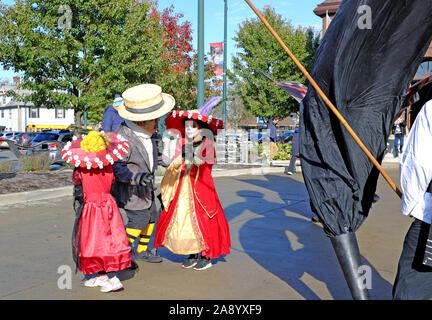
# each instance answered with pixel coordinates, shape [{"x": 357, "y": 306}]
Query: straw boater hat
[
  {"x": 145, "y": 102},
  {"x": 175, "y": 120},
  {"x": 96, "y": 150}
]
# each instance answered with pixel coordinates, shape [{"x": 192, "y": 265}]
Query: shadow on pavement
[{"x": 293, "y": 248}]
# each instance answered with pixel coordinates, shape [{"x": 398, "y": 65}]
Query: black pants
[
  {"x": 414, "y": 279},
  {"x": 292, "y": 164}
]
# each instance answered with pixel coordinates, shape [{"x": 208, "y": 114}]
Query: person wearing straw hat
[
  {"x": 111, "y": 119},
  {"x": 193, "y": 220},
  {"x": 99, "y": 243},
  {"x": 142, "y": 107}
]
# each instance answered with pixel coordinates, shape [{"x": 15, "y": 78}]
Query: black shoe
[
  {"x": 147, "y": 256},
  {"x": 190, "y": 262},
  {"x": 203, "y": 263}
]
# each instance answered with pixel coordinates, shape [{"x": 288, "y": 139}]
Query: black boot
[{"x": 348, "y": 254}]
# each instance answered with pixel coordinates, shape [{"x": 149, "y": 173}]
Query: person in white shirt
[{"x": 414, "y": 275}]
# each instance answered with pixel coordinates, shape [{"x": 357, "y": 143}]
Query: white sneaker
[
  {"x": 98, "y": 281},
  {"x": 112, "y": 284}
]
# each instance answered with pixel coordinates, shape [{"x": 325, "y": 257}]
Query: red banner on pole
[{"x": 216, "y": 53}]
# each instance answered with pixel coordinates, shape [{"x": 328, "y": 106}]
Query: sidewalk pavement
[
  {"x": 276, "y": 252},
  {"x": 52, "y": 193}
]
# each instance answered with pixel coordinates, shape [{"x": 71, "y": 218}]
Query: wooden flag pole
[{"x": 327, "y": 101}]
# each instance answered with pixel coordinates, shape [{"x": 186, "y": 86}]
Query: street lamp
[
  {"x": 224, "y": 94},
  {"x": 200, "y": 84}
]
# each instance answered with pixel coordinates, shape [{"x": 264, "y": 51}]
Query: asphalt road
[{"x": 276, "y": 253}]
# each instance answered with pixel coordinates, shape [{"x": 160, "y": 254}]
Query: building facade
[{"x": 21, "y": 116}]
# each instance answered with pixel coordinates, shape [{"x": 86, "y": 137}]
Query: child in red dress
[{"x": 100, "y": 245}]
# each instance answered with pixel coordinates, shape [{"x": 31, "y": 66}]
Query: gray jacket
[{"x": 128, "y": 171}]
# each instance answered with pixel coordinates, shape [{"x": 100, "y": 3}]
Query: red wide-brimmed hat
[
  {"x": 175, "y": 120},
  {"x": 73, "y": 154}
]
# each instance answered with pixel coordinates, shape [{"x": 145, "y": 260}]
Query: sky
[{"x": 298, "y": 12}]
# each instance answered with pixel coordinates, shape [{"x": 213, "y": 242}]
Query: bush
[
  {"x": 36, "y": 162},
  {"x": 284, "y": 151}
]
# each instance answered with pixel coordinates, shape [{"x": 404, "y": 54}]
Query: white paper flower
[
  {"x": 180, "y": 113},
  {"x": 88, "y": 165},
  {"x": 77, "y": 163},
  {"x": 174, "y": 114},
  {"x": 199, "y": 117},
  {"x": 75, "y": 157},
  {"x": 74, "y": 138},
  {"x": 86, "y": 159}
]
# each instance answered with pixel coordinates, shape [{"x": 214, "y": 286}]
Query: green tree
[{"x": 261, "y": 52}]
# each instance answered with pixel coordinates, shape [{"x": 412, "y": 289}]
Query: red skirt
[{"x": 101, "y": 236}]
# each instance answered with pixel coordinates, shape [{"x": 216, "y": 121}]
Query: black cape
[{"x": 366, "y": 74}]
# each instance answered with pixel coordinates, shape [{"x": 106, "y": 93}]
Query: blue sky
[{"x": 298, "y": 12}]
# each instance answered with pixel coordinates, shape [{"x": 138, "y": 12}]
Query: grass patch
[
  {"x": 38, "y": 162},
  {"x": 7, "y": 167}
]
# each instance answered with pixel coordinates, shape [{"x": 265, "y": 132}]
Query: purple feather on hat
[{"x": 209, "y": 105}]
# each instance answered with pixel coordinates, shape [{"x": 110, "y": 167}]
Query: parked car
[
  {"x": 7, "y": 136},
  {"x": 55, "y": 140},
  {"x": 24, "y": 139},
  {"x": 287, "y": 136}
]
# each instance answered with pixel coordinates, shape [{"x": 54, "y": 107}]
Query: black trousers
[
  {"x": 414, "y": 279},
  {"x": 139, "y": 219}
]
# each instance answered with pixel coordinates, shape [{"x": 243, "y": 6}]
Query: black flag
[
  {"x": 294, "y": 88},
  {"x": 364, "y": 65}
]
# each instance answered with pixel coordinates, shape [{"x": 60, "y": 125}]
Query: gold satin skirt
[{"x": 183, "y": 235}]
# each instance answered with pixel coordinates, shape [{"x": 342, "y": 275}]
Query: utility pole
[
  {"x": 225, "y": 48},
  {"x": 200, "y": 84},
  {"x": 17, "y": 81}
]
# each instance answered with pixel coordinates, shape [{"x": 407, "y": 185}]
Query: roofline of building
[{"x": 330, "y": 7}]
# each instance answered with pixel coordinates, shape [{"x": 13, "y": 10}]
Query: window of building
[
  {"x": 4, "y": 99},
  {"x": 10, "y": 113},
  {"x": 2, "y": 113},
  {"x": 60, "y": 113},
  {"x": 33, "y": 112}
]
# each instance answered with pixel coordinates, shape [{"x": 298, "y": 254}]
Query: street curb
[
  {"x": 46, "y": 194},
  {"x": 30, "y": 196}
]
